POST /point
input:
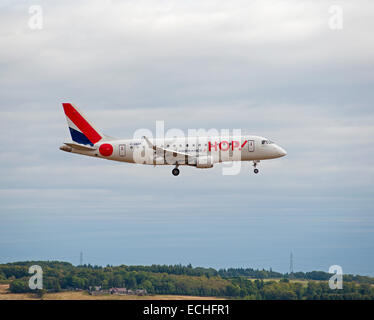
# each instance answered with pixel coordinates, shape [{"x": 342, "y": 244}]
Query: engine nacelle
[{"x": 204, "y": 162}]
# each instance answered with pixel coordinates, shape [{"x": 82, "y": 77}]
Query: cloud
[{"x": 170, "y": 53}]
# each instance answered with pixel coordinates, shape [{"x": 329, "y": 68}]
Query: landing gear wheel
[
  {"x": 175, "y": 172},
  {"x": 255, "y": 165}
]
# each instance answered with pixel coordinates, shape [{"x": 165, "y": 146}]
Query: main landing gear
[
  {"x": 175, "y": 171},
  {"x": 255, "y": 165}
]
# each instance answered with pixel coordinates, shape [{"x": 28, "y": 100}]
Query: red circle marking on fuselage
[{"x": 106, "y": 149}]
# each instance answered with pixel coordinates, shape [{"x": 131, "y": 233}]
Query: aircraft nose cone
[{"x": 281, "y": 152}]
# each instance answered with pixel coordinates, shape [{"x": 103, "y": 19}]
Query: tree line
[{"x": 242, "y": 283}]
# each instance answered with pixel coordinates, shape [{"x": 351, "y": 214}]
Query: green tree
[{"x": 19, "y": 286}]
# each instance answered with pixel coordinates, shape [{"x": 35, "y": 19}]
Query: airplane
[{"x": 199, "y": 151}]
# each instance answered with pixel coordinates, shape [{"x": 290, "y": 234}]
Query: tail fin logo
[{"x": 81, "y": 130}]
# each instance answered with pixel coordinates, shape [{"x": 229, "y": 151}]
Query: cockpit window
[{"x": 266, "y": 142}]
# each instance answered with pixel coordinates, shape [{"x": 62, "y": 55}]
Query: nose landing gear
[
  {"x": 255, "y": 165},
  {"x": 175, "y": 171}
]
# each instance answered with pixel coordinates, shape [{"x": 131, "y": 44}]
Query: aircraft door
[
  {"x": 122, "y": 150},
  {"x": 251, "y": 145}
]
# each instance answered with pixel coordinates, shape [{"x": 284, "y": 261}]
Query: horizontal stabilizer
[{"x": 80, "y": 146}]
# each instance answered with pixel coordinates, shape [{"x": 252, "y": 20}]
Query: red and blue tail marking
[{"x": 81, "y": 130}]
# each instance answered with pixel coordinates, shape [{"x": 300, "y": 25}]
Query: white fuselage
[{"x": 218, "y": 149}]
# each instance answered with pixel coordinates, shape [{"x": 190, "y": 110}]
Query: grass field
[
  {"x": 82, "y": 295},
  {"x": 303, "y": 282}
]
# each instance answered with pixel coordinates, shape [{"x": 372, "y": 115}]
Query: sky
[{"x": 278, "y": 69}]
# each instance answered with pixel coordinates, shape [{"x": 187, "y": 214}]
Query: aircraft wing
[{"x": 168, "y": 152}]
